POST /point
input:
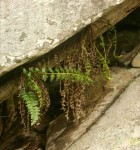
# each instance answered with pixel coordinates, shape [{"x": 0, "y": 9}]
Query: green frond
[
  {"x": 31, "y": 102},
  {"x": 102, "y": 43}
]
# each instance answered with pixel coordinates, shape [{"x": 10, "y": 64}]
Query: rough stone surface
[
  {"x": 121, "y": 78},
  {"x": 119, "y": 128},
  {"x": 136, "y": 61},
  {"x": 29, "y": 29}
]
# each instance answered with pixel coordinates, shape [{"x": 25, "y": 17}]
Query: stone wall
[{"x": 29, "y": 29}]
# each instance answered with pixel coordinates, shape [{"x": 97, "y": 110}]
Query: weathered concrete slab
[
  {"x": 29, "y": 29},
  {"x": 136, "y": 61},
  {"x": 119, "y": 128}
]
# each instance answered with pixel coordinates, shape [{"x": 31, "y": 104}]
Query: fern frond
[
  {"x": 106, "y": 71},
  {"x": 104, "y": 62},
  {"x": 73, "y": 75},
  {"x": 31, "y": 102}
]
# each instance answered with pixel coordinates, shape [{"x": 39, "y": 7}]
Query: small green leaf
[
  {"x": 44, "y": 78},
  {"x": 57, "y": 70},
  {"x": 61, "y": 69},
  {"x": 24, "y": 71},
  {"x": 50, "y": 70},
  {"x": 36, "y": 70},
  {"x": 44, "y": 69},
  {"x": 52, "y": 77},
  {"x": 29, "y": 74}
]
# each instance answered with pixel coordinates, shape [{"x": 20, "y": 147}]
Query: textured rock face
[
  {"x": 32, "y": 28},
  {"x": 136, "y": 61}
]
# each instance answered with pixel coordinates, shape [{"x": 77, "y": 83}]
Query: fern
[
  {"x": 34, "y": 99},
  {"x": 104, "y": 61},
  {"x": 71, "y": 74},
  {"x": 33, "y": 85},
  {"x": 31, "y": 102}
]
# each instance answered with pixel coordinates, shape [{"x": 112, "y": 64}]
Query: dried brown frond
[{"x": 23, "y": 116}]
